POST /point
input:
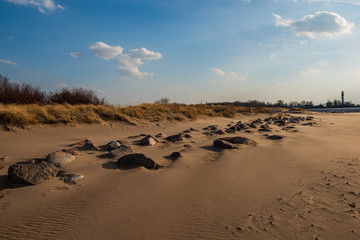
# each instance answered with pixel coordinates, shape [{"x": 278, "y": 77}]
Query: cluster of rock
[{"x": 36, "y": 171}]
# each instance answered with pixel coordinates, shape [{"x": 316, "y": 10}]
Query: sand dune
[{"x": 304, "y": 186}]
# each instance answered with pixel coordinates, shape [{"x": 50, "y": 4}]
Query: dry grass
[{"x": 33, "y": 114}]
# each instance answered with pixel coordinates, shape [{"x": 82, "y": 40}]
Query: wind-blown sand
[{"x": 305, "y": 186}]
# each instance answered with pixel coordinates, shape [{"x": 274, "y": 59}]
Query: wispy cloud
[
  {"x": 75, "y": 54},
  {"x": 44, "y": 6},
  {"x": 217, "y": 71},
  {"x": 310, "y": 71},
  {"x": 321, "y": 24},
  {"x": 354, "y": 2},
  {"x": 129, "y": 62},
  {"x": 227, "y": 76},
  {"x": 8, "y": 62}
]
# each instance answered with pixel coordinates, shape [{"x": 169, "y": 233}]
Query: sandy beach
[{"x": 304, "y": 186}]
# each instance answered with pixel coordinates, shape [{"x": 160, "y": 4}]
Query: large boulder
[
  {"x": 224, "y": 144},
  {"x": 138, "y": 159},
  {"x": 121, "y": 151},
  {"x": 59, "y": 158},
  {"x": 239, "y": 140},
  {"x": 32, "y": 172}
]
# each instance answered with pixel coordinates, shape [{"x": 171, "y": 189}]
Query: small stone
[
  {"x": 176, "y": 155},
  {"x": 187, "y": 136},
  {"x": 148, "y": 141},
  {"x": 159, "y": 135},
  {"x": 220, "y": 132},
  {"x": 112, "y": 145},
  {"x": 3, "y": 158},
  {"x": 175, "y": 138},
  {"x": 187, "y": 145},
  {"x": 230, "y": 130},
  {"x": 72, "y": 178},
  {"x": 275, "y": 137}
]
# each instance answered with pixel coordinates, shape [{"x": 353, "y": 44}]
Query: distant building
[{"x": 342, "y": 98}]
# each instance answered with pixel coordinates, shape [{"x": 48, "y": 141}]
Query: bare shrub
[
  {"x": 19, "y": 93},
  {"x": 76, "y": 96}
]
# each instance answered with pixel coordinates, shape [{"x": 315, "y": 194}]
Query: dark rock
[
  {"x": 211, "y": 127},
  {"x": 138, "y": 159},
  {"x": 193, "y": 129},
  {"x": 209, "y": 133},
  {"x": 230, "y": 130},
  {"x": 220, "y": 132},
  {"x": 187, "y": 136},
  {"x": 239, "y": 140},
  {"x": 85, "y": 145},
  {"x": 159, "y": 135},
  {"x": 252, "y": 125},
  {"x": 175, "y": 138},
  {"x": 121, "y": 151},
  {"x": 90, "y": 146},
  {"x": 72, "y": 151},
  {"x": 32, "y": 172},
  {"x": 309, "y": 123},
  {"x": 148, "y": 141},
  {"x": 187, "y": 145},
  {"x": 3, "y": 158},
  {"x": 224, "y": 144},
  {"x": 280, "y": 122},
  {"x": 275, "y": 137},
  {"x": 176, "y": 155},
  {"x": 186, "y": 131},
  {"x": 309, "y": 118},
  {"x": 59, "y": 158}
]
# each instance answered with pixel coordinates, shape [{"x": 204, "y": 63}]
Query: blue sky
[{"x": 133, "y": 51}]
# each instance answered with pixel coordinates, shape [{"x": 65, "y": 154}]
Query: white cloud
[
  {"x": 129, "y": 63},
  {"x": 44, "y": 6},
  {"x": 75, "y": 54},
  {"x": 310, "y": 71},
  {"x": 227, "y": 77},
  {"x": 217, "y": 71},
  {"x": 145, "y": 54},
  {"x": 104, "y": 51},
  {"x": 8, "y": 62},
  {"x": 321, "y": 24}
]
